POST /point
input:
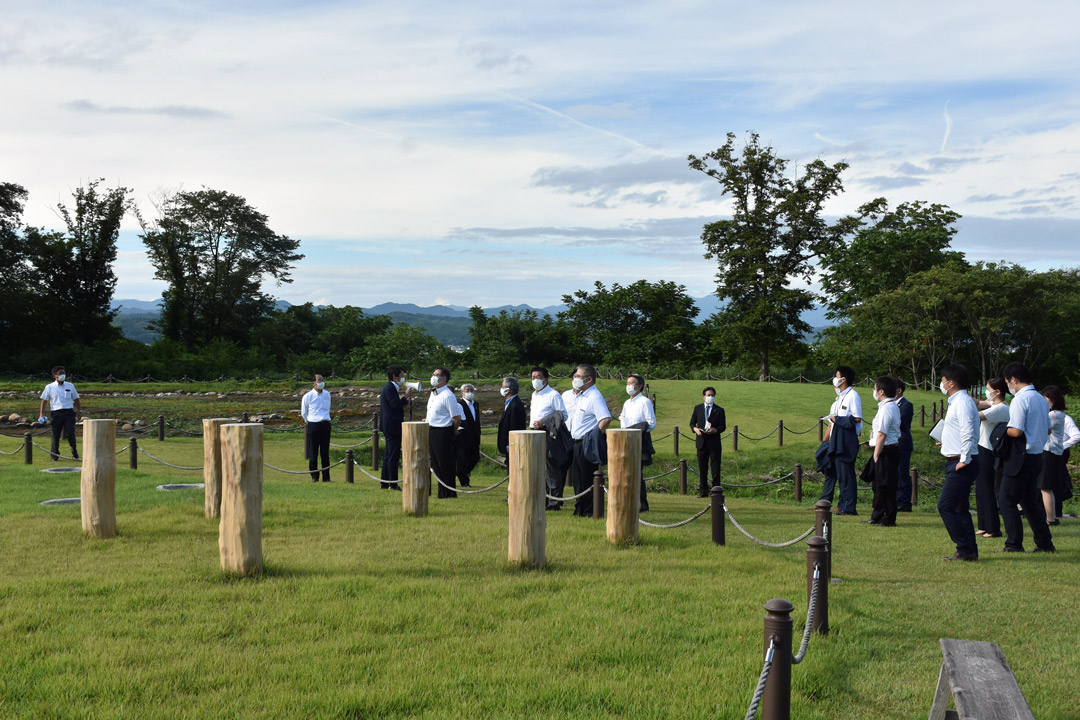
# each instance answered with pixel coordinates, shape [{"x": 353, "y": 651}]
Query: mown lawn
[{"x": 365, "y": 613}]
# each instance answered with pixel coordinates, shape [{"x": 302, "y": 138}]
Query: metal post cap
[{"x": 817, "y": 542}]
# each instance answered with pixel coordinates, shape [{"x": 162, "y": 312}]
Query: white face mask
[
  {"x": 941, "y": 387},
  {"x": 631, "y": 389},
  {"x": 578, "y": 383},
  {"x": 991, "y": 394},
  {"x": 320, "y": 385},
  {"x": 469, "y": 396},
  {"x": 504, "y": 391},
  {"x": 538, "y": 384},
  {"x": 709, "y": 399},
  {"x": 434, "y": 381},
  {"x": 61, "y": 377},
  {"x": 837, "y": 382}
]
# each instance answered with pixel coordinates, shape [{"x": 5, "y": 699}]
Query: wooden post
[
  {"x": 735, "y": 438},
  {"x": 97, "y": 488},
  {"x": 350, "y": 462},
  {"x": 240, "y": 529},
  {"x": 820, "y": 430},
  {"x": 922, "y": 416},
  {"x": 682, "y": 476},
  {"x": 28, "y": 446},
  {"x": 798, "y": 482},
  {"x": 161, "y": 428},
  {"x": 415, "y": 468},
  {"x": 528, "y": 484},
  {"x": 211, "y": 429},
  {"x": 933, "y": 413},
  {"x": 676, "y": 436},
  {"x": 624, "y": 485},
  {"x": 133, "y": 454},
  {"x": 780, "y": 432}
]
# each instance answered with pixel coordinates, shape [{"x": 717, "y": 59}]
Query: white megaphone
[{"x": 416, "y": 386}]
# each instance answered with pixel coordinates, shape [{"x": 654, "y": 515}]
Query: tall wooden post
[
  {"x": 240, "y": 529},
  {"x": 415, "y": 468},
  {"x": 97, "y": 488},
  {"x": 675, "y": 435},
  {"x": 161, "y": 428},
  {"x": 211, "y": 431},
  {"x": 922, "y": 416},
  {"x": 528, "y": 484},
  {"x": 624, "y": 485}
]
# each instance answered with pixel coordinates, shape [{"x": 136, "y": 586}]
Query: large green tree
[
  {"x": 776, "y": 230},
  {"x": 888, "y": 247},
  {"x": 214, "y": 250},
  {"x": 512, "y": 339},
  {"x": 15, "y": 277}
]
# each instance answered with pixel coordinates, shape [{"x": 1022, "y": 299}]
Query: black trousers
[
  {"x": 644, "y": 492},
  {"x": 1022, "y": 489},
  {"x": 556, "y": 479},
  {"x": 443, "y": 461},
  {"x": 708, "y": 458},
  {"x": 467, "y": 457},
  {"x": 391, "y": 461},
  {"x": 986, "y": 506},
  {"x": 581, "y": 475},
  {"x": 954, "y": 508},
  {"x": 63, "y": 423},
  {"x": 886, "y": 478},
  {"x": 317, "y": 443}
]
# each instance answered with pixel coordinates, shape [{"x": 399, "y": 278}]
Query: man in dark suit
[
  {"x": 907, "y": 413},
  {"x": 708, "y": 423},
  {"x": 391, "y": 415},
  {"x": 513, "y": 417},
  {"x": 467, "y": 443}
]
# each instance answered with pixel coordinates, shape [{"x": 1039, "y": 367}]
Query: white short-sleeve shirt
[
  {"x": 589, "y": 409},
  {"x": 60, "y": 397},
  {"x": 544, "y": 402},
  {"x": 848, "y": 403},
  {"x": 995, "y": 415},
  {"x": 443, "y": 407},
  {"x": 887, "y": 421},
  {"x": 315, "y": 407},
  {"x": 636, "y": 410}
]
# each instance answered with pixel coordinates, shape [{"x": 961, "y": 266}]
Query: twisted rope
[
  {"x": 497, "y": 462},
  {"x": 304, "y": 472},
  {"x": 810, "y": 609},
  {"x": 469, "y": 492},
  {"x": 747, "y": 437},
  {"x": 366, "y": 440},
  {"x": 801, "y": 432},
  {"x": 581, "y": 494},
  {"x": 654, "y": 477},
  {"x": 157, "y": 460},
  {"x": 122, "y": 449},
  {"x": 762, "y": 542},
  {"x": 763, "y": 484},
  {"x": 762, "y": 679},
  {"x": 684, "y": 435},
  {"x": 62, "y": 457},
  {"x": 665, "y": 437},
  {"x": 21, "y": 446},
  {"x": 389, "y": 482},
  {"x": 687, "y": 521}
]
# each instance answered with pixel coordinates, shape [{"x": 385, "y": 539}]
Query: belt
[
  {"x": 578, "y": 442},
  {"x": 950, "y": 458}
]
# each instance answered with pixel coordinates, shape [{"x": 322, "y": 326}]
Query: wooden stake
[
  {"x": 415, "y": 468},
  {"x": 211, "y": 428},
  {"x": 97, "y": 488},
  {"x": 240, "y": 530},
  {"x": 528, "y": 485},
  {"x": 624, "y": 485}
]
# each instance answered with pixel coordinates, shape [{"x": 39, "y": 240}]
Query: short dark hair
[
  {"x": 589, "y": 370},
  {"x": 512, "y": 385},
  {"x": 848, "y": 373},
  {"x": 901, "y": 386},
  {"x": 887, "y": 385},
  {"x": 1053, "y": 394},
  {"x": 708, "y": 388},
  {"x": 640, "y": 380},
  {"x": 1017, "y": 371},
  {"x": 58, "y": 369},
  {"x": 542, "y": 370},
  {"x": 316, "y": 377},
  {"x": 445, "y": 373},
  {"x": 958, "y": 374},
  {"x": 393, "y": 371},
  {"x": 1000, "y": 385}
]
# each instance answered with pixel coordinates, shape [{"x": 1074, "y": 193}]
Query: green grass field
[{"x": 365, "y": 613}]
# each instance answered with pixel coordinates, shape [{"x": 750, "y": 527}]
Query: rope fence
[
  {"x": 763, "y": 543},
  {"x": 763, "y": 678},
  {"x": 687, "y": 521}
]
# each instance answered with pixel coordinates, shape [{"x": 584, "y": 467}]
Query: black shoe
[
  {"x": 887, "y": 524},
  {"x": 869, "y": 522},
  {"x": 315, "y": 480},
  {"x": 844, "y": 512},
  {"x": 1008, "y": 549},
  {"x": 958, "y": 556},
  {"x": 75, "y": 456},
  {"x": 326, "y": 479},
  {"x": 1056, "y": 522},
  {"x": 552, "y": 507},
  {"x": 903, "y": 509},
  {"x": 396, "y": 487},
  {"x": 1050, "y": 549}
]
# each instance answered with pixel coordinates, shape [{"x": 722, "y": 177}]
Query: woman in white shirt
[
  {"x": 1053, "y": 470},
  {"x": 993, "y": 411}
]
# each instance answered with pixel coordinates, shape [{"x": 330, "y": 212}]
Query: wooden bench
[{"x": 981, "y": 683}]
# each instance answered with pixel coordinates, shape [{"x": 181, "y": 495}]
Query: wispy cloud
[
  {"x": 948, "y": 128},
  {"x": 184, "y": 112}
]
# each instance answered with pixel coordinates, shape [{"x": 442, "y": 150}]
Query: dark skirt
[{"x": 1053, "y": 467}]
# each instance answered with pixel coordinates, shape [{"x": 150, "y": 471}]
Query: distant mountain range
[{"x": 449, "y": 324}]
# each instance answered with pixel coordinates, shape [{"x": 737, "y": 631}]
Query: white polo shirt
[
  {"x": 636, "y": 410},
  {"x": 443, "y": 407},
  {"x": 315, "y": 407},
  {"x": 960, "y": 433},
  {"x": 848, "y": 403},
  {"x": 588, "y": 410},
  {"x": 60, "y": 397},
  {"x": 544, "y": 402},
  {"x": 886, "y": 421}
]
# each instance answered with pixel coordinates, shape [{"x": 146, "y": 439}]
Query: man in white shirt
[
  {"x": 842, "y": 434},
  {"x": 315, "y": 412},
  {"x": 638, "y": 413},
  {"x": 588, "y": 417},
  {"x": 885, "y": 444},
  {"x": 1029, "y": 426},
  {"x": 444, "y": 416},
  {"x": 64, "y": 409},
  {"x": 547, "y": 412},
  {"x": 960, "y": 446}
]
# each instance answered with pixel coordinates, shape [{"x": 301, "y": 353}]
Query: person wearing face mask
[
  {"x": 637, "y": 413},
  {"x": 842, "y": 436},
  {"x": 315, "y": 412},
  {"x": 708, "y": 423},
  {"x": 467, "y": 442},
  {"x": 960, "y": 446},
  {"x": 992, "y": 413},
  {"x": 444, "y": 416},
  {"x": 588, "y": 417},
  {"x": 1028, "y": 428},
  {"x": 513, "y": 417},
  {"x": 907, "y": 446},
  {"x": 547, "y": 412},
  {"x": 1054, "y": 482},
  {"x": 64, "y": 408},
  {"x": 885, "y": 444},
  {"x": 391, "y": 415}
]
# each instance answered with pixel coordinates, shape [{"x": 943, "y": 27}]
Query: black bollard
[
  {"x": 735, "y": 438},
  {"x": 823, "y": 526},
  {"x": 780, "y": 432},
  {"x": 798, "y": 482},
  {"x": 776, "y": 700},
  {"x": 676, "y": 436},
  {"x": 598, "y": 494},
  {"x": 922, "y": 416},
  {"x": 161, "y": 428},
  {"x": 349, "y": 466},
  {"x": 244, "y": 418},
  {"x": 933, "y": 413},
  {"x": 133, "y": 454},
  {"x": 682, "y": 475},
  {"x": 817, "y": 573},
  {"x": 716, "y": 497},
  {"x": 820, "y": 430},
  {"x": 375, "y": 447},
  {"x": 28, "y": 443}
]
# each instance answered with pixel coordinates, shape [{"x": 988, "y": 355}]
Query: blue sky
[{"x": 502, "y": 153}]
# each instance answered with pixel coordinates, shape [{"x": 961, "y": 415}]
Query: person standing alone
[
  {"x": 315, "y": 412},
  {"x": 65, "y": 409},
  {"x": 708, "y": 423}
]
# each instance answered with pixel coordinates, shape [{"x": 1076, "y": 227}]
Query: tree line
[{"x": 902, "y": 300}]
